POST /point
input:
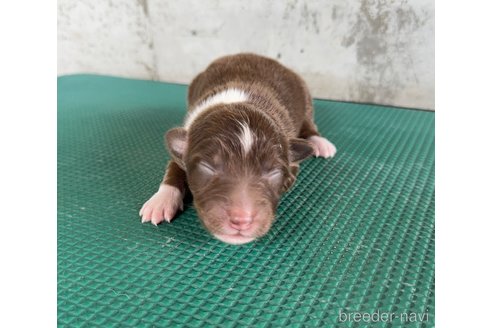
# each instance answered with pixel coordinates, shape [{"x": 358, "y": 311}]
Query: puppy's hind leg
[{"x": 322, "y": 146}]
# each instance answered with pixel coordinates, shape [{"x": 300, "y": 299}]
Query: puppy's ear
[
  {"x": 177, "y": 143},
  {"x": 299, "y": 149}
]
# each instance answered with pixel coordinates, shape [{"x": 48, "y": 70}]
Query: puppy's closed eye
[
  {"x": 274, "y": 176},
  {"x": 206, "y": 169}
]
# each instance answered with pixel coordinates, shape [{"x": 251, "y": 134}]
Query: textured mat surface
[{"x": 355, "y": 234}]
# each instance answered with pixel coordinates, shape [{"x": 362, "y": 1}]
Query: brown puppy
[{"x": 249, "y": 124}]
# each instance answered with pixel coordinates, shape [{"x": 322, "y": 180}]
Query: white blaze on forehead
[
  {"x": 246, "y": 137},
  {"x": 227, "y": 96}
]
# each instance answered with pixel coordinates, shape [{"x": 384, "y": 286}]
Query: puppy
[{"x": 249, "y": 125}]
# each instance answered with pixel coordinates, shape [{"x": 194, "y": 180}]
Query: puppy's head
[{"x": 238, "y": 163}]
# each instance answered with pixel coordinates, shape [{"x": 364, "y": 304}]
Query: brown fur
[
  {"x": 275, "y": 89},
  {"x": 279, "y": 112}
]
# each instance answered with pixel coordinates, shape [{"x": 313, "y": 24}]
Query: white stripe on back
[{"x": 227, "y": 96}]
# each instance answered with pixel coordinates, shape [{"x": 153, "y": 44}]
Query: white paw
[
  {"x": 163, "y": 205},
  {"x": 322, "y": 147}
]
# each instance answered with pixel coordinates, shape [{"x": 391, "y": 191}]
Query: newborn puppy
[{"x": 249, "y": 125}]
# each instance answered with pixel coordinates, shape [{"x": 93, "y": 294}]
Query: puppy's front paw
[
  {"x": 163, "y": 205},
  {"x": 322, "y": 147}
]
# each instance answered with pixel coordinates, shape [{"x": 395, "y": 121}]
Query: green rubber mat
[{"x": 353, "y": 244}]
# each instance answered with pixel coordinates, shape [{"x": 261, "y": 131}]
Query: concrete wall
[{"x": 365, "y": 51}]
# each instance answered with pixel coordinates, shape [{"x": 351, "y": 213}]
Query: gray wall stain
[
  {"x": 380, "y": 35},
  {"x": 145, "y": 7},
  {"x": 289, "y": 8},
  {"x": 334, "y": 13},
  {"x": 306, "y": 16},
  {"x": 379, "y": 51}
]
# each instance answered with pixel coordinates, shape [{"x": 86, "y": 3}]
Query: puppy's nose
[{"x": 240, "y": 219}]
